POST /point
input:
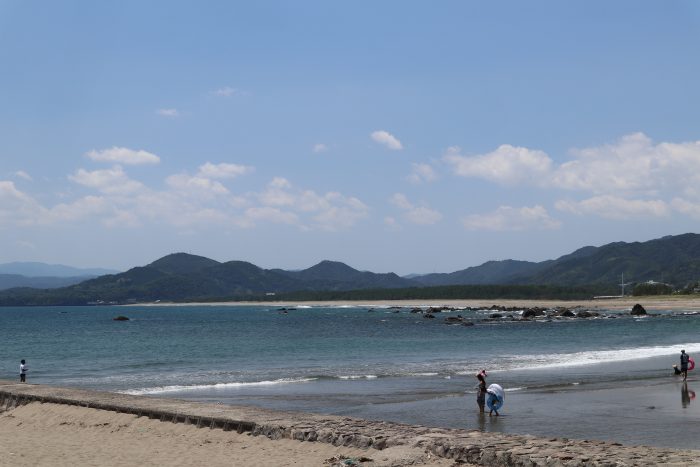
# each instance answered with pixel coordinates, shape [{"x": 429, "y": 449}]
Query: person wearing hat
[{"x": 684, "y": 364}]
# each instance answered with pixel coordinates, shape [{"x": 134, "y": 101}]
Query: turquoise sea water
[{"x": 374, "y": 363}]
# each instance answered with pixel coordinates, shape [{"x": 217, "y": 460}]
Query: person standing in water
[
  {"x": 481, "y": 394},
  {"x": 684, "y": 364},
  {"x": 23, "y": 371}
]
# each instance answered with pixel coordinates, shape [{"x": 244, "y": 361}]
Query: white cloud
[
  {"x": 319, "y": 148},
  {"x": 507, "y": 164},
  {"x": 79, "y": 209},
  {"x": 634, "y": 164},
  {"x": 422, "y": 214},
  {"x": 226, "y": 91},
  {"x": 24, "y": 175},
  {"x": 270, "y": 214},
  {"x": 17, "y": 208},
  {"x": 422, "y": 173},
  {"x": 223, "y": 170},
  {"x": 196, "y": 185},
  {"x": 123, "y": 156},
  {"x": 387, "y": 139},
  {"x": 509, "y": 218},
  {"x": 20, "y": 209},
  {"x": 616, "y": 208},
  {"x": 277, "y": 193},
  {"x": 686, "y": 207},
  {"x": 329, "y": 211},
  {"x": 110, "y": 181},
  {"x": 170, "y": 113}
]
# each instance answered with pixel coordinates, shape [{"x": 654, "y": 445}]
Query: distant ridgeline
[{"x": 658, "y": 266}]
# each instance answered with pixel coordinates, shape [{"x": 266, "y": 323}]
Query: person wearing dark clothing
[
  {"x": 684, "y": 364},
  {"x": 23, "y": 372},
  {"x": 481, "y": 395}
]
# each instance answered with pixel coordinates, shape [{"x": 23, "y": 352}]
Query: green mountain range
[
  {"x": 184, "y": 277},
  {"x": 673, "y": 259}
]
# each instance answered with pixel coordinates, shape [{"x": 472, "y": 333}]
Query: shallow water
[{"x": 569, "y": 377}]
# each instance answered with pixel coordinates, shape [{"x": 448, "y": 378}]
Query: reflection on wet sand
[{"x": 686, "y": 395}]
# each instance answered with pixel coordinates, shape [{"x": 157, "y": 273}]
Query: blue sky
[{"x": 393, "y": 136}]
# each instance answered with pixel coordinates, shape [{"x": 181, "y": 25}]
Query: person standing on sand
[
  {"x": 684, "y": 364},
  {"x": 23, "y": 372},
  {"x": 481, "y": 395}
]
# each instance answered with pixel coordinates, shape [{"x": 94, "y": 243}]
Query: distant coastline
[{"x": 670, "y": 302}]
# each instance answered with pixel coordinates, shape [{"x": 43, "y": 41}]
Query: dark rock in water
[
  {"x": 496, "y": 315},
  {"x": 467, "y": 323},
  {"x": 429, "y": 316},
  {"x": 370, "y": 310},
  {"x": 416, "y": 310},
  {"x": 638, "y": 310},
  {"x": 120, "y": 318},
  {"x": 454, "y": 319},
  {"x": 532, "y": 312},
  {"x": 567, "y": 313},
  {"x": 586, "y": 314}
]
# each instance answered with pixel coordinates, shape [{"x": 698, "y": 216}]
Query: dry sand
[{"x": 60, "y": 435}]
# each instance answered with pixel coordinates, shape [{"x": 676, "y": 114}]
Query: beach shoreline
[
  {"x": 160, "y": 430},
  {"x": 684, "y": 302}
]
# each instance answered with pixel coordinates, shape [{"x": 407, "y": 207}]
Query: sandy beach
[
  {"x": 60, "y": 435},
  {"x": 679, "y": 302},
  {"x": 50, "y": 426}
]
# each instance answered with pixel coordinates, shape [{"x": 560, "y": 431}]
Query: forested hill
[
  {"x": 184, "y": 277},
  {"x": 673, "y": 259}
]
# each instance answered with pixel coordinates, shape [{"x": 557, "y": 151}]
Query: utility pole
[{"x": 622, "y": 285}]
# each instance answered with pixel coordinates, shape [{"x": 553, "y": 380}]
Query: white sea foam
[
  {"x": 357, "y": 376},
  {"x": 602, "y": 356},
  {"x": 204, "y": 387}
]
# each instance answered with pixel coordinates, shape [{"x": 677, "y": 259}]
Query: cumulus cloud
[
  {"x": 422, "y": 173},
  {"x": 195, "y": 185},
  {"x": 110, "y": 181},
  {"x": 24, "y": 175},
  {"x": 223, "y": 170},
  {"x": 123, "y": 156},
  {"x": 270, "y": 214},
  {"x": 507, "y": 164},
  {"x": 615, "y": 207},
  {"x": 633, "y": 164},
  {"x": 319, "y": 148},
  {"x": 632, "y": 177},
  {"x": 329, "y": 211},
  {"x": 20, "y": 209},
  {"x": 416, "y": 214},
  {"x": 509, "y": 218},
  {"x": 170, "y": 113},
  {"x": 387, "y": 139},
  {"x": 17, "y": 207}
]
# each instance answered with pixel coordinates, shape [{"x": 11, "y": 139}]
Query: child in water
[{"x": 481, "y": 394}]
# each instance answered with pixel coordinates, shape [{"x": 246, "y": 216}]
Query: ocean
[{"x": 598, "y": 378}]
